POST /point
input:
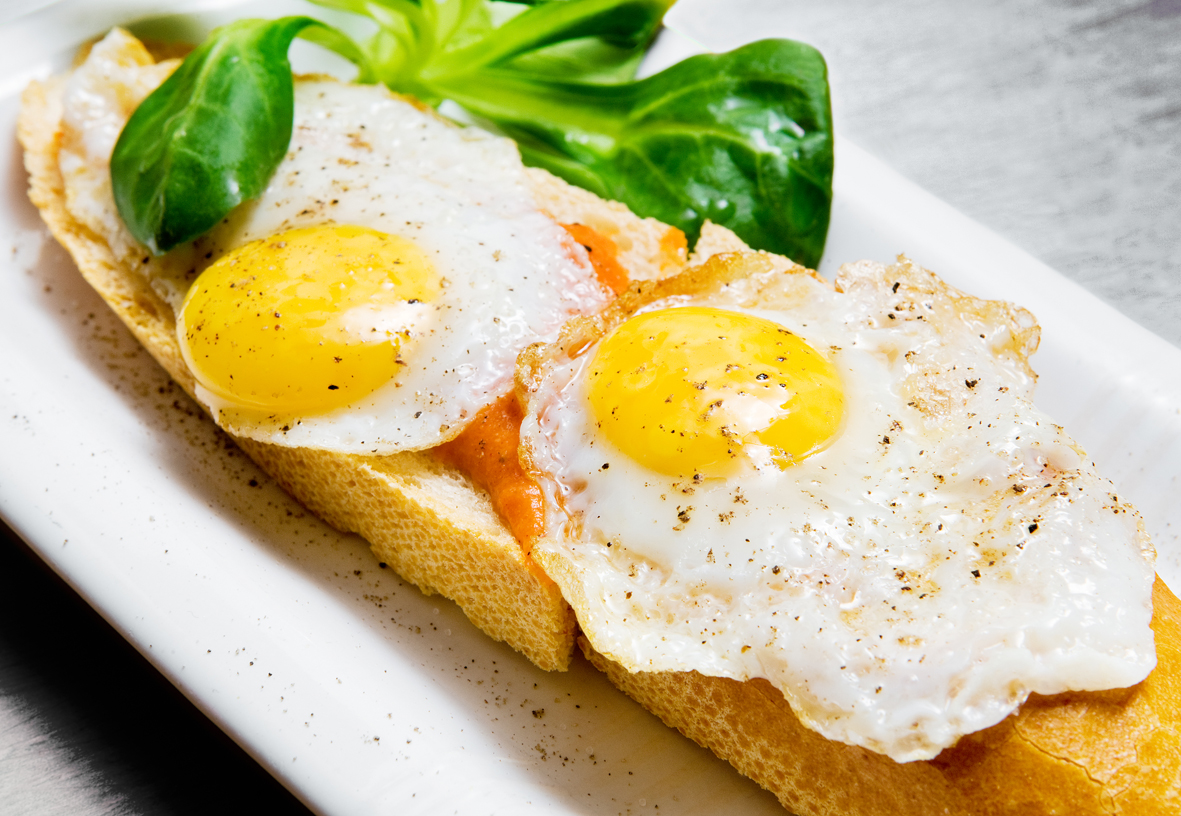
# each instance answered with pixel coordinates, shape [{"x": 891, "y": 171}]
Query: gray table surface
[{"x": 1057, "y": 123}]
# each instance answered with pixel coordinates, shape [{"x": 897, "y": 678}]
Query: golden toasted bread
[{"x": 1098, "y": 753}]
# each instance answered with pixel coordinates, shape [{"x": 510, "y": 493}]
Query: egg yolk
[
  {"x": 307, "y": 320},
  {"x": 684, "y": 391}
]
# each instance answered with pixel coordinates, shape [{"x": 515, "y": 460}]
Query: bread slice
[
  {"x": 427, "y": 521},
  {"x": 1105, "y": 753}
]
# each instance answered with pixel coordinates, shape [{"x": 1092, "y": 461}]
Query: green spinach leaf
[
  {"x": 211, "y": 135},
  {"x": 743, "y": 139},
  {"x": 628, "y": 24}
]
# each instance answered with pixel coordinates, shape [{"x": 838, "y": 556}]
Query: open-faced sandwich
[
  {"x": 823, "y": 530},
  {"x": 818, "y": 527}
]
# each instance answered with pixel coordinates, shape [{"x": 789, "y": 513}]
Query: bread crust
[
  {"x": 427, "y": 521},
  {"x": 1106, "y": 753}
]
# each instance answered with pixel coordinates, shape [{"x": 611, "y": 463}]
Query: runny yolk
[
  {"x": 486, "y": 451},
  {"x": 689, "y": 391},
  {"x": 307, "y": 320}
]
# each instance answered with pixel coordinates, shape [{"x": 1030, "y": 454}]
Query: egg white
[
  {"x": 949, "y": 553},
  {"x": 361, "y": 156}
]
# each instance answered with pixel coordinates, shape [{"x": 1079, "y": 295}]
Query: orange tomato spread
[
  {"x": 603, "y": 256},
  {"x": 486, "y": 450},
  {"x": 674, "y": 246}
]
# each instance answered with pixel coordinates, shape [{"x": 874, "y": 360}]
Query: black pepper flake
[
  {"x": 976, "y": 573},
  {"x": 1033, "y": 527},
  {"x": 894, "y": 288},
  {"x": 775, "y": 570},
  {"x": 605, "y": 466},
  {"x": 333, "y": 387},
  {"x": 971, "y": 383}
]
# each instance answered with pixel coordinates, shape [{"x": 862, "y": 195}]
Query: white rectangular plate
[{"x": 358, "y": 692}]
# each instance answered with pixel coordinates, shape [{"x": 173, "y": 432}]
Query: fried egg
[
  {"x": 375, "y": 296},
  {"x": 845, "y": 490}
]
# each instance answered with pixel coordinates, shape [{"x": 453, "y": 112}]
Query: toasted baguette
[
  {"x": 1107, "y": 753},
  {"x": 427, "y": 521}
]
